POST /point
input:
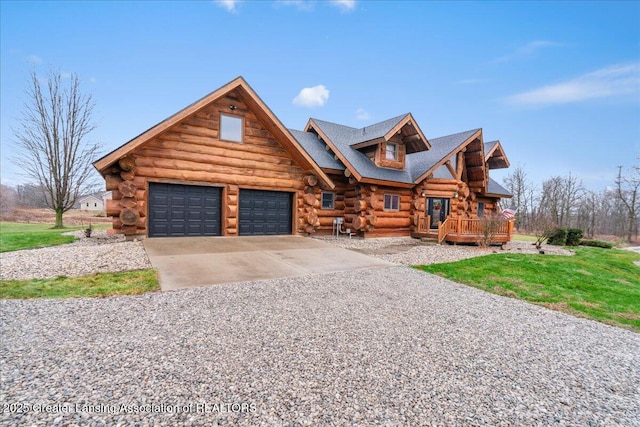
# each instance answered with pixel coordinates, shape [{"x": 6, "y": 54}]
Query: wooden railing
[
  {"x": 423, "y": 224},
  {"x": 445, "y": 228},
  {"x": 458, "y": 229}
]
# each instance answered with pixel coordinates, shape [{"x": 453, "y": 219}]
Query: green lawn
[
  {"x": 524, "y": 237},
  {"x": 94, "y": 285},
  {"x": 15, "y": 236},
  {"x": 596, "y": 283}
]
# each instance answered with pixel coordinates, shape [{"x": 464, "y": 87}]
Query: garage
[
  {"x": 184, "y": 210},
  {"x": 264, "y": 213}
]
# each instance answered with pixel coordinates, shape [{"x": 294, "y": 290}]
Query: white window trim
[{"x": 394, "y": 151}]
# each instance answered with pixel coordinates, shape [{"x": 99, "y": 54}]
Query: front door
[{"x": 437, "y": 209}]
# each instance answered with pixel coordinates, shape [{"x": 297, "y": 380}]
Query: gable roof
[
  {"x": 94, "y": 196},
  {"x": 425, "y": 162},
  {"x": 340, "y": 139},
  {"x": 494, "y": 155},
  {"x": 251, "y": 99}
]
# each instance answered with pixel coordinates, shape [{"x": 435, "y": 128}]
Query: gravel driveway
[{"x": 388, "y": 346}]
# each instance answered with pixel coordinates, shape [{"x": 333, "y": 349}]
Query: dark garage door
[
  {"x": 183, "y": 210},
  {"x": 264, "y": 212}
]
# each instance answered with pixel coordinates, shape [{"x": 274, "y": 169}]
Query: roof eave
[
  {"x": 405, "y": 120},
  {"x": 311, "y": 124},
  {"x": 386, "y": 182},
  {"x": 500, "y": 196}
]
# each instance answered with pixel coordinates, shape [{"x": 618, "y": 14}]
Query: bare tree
[
  {"x": 52, "y": 139},
  {"x": 589, "y": 212},
  {"x": 523, "y": 193},
  {"x": 31, "y": 196},
  {"x": 491, "y": 223},
  {"x": 560, "y": 198},
  {"x": 627, "y": 189},
  {"x": 571, "y": 191},
  {"x": 8, "y": 200},
  {"x": 549, "y": 204}
]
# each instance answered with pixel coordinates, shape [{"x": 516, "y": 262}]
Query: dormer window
[{"x": 392, "y": 151}]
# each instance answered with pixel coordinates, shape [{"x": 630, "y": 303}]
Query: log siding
[{"x": 188, "y": 149}]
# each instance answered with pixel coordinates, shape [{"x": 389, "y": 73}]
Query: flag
[{"x": 509, "y": 213}]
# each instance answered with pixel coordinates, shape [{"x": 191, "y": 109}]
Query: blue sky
[{"x": 557, "y": 82}]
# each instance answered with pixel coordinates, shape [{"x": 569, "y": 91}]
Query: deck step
[{"x": 429, "y": 240}]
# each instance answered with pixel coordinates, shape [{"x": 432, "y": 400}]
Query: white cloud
[
  {"x": 304, "y": 5},
  {"x": 616, "y": 80},
  {"x": 344, "y": 5},
  {"x": 92, "y": 80},
  {"x": 315, "y": 96},
  {"x": 34, "y": 59},
  {"x": 65, "y": 75},
  {"x": 230, "y": 5},
  {"x": 527, "y": 50},
  {"x": 362, "y": 114}
]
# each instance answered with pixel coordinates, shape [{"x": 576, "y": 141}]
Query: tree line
[{"x": 563, "y": 201}]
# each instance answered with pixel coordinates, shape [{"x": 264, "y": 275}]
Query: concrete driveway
[{"x": 186, "y": 262}]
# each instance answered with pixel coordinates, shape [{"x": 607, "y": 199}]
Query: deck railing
[
  {"x": 458, "y": 229},
  {"x": 444, "y": 228},
  {"x": 423, "y": 224}
]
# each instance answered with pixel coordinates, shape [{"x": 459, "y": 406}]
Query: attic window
[
  {"x": 392, "y": 151},
  {"x": 230, "y": 128}
]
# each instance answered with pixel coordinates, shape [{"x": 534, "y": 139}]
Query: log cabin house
[{"x": 226, "y": 166}]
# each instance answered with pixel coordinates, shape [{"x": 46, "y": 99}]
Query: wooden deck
[{"x": 462, "y": 230}]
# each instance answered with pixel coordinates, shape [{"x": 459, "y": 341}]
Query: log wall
[{"x": 191, "y": 152}]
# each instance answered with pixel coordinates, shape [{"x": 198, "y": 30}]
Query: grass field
[
  {"x": 16, "y": 236},
  {"x": 599, "y": 284},
  {"x": 524, "y": 237},
  {"x": 95, "y": 285}
]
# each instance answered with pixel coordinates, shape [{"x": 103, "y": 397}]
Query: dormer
[
  {"x": 494, "y": 155},
  {"x": 387, "y": 143}
]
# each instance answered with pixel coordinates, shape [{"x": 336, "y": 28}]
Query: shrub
[
  {"x": 558, "y": 237},
  {"x": 574, "y": 236},
  {"x": 597, "y": 244},
  {"x": 88, "y": 230}
]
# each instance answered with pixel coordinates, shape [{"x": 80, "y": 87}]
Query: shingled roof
[
  {"x": 495, "y": 189},
  {"x": 442, "y": 149},
  {"x": 341, "y": 139}
]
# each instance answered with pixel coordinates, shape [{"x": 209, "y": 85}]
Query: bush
[
  {"x": 558, "y": 237},
  {"x": 597, "y": 244},
  {"x": 574, "y": 236}
]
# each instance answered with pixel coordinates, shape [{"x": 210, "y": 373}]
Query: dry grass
[{"x": 47, "y": 216}]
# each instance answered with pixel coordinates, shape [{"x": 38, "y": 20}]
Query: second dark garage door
[{"x": 264, "y": 212}]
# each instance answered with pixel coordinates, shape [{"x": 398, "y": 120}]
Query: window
[
  {"x": 95, "y": 205},
  {"x": 87, "y": 204},
  {"x": 230, "y": 128},
  {"x": 480, "y": 209},
  {"x": 391, "y": 202},
  {"x": 327, "y": 200},
  {"x": 392, "y": 151}
]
